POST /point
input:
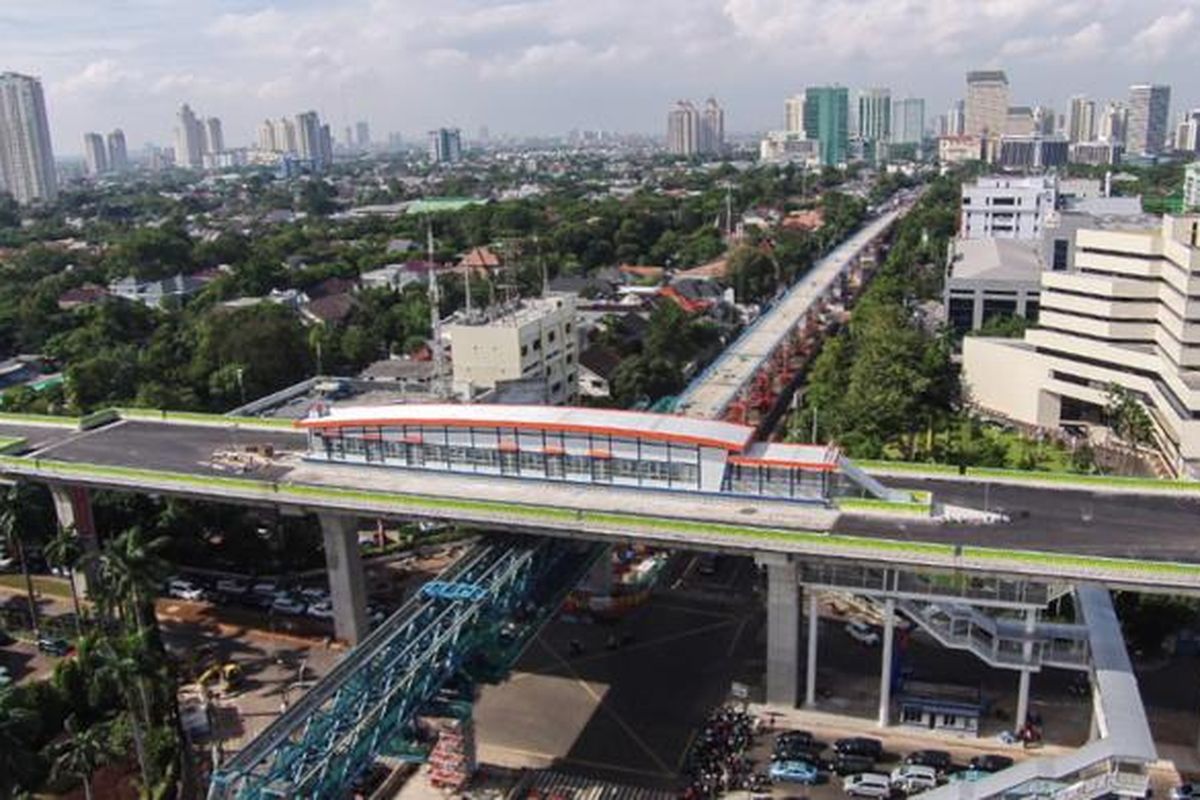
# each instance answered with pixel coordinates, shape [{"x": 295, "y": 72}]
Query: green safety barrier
[
  {"x": 97, "y": 418},
  {"x": 818, "y": 540},
  {"x": 38, "y": 419},
  {"x": 202, "y": 418},
  {"x": 12, "y": 444},
  {"x": 917, "y": 468},
  {"x": 921, "y": 504}
]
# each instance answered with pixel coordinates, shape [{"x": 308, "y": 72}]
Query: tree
[
  {"x": 1127, "y": 416},
  {"x": 16, "y": 757},
  {"x": 11, "y": 531},
  {"x": 753, "y": 274},
  {"x": 117, "y": 667},
  {"x": 65, "y": 551},
  {"x": 82, "y": 752},
  {"x": 131, "y": 569}
]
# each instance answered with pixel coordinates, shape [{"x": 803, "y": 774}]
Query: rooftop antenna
[{"x": 435, "y": 315}]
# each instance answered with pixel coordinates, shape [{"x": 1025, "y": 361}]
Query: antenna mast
[{"x": 435, "y": 314}]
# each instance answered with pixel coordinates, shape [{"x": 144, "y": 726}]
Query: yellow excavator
[{"x": 229, "y": 674}]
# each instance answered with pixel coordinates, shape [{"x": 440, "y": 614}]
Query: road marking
[
  {"x": 629, "y": 731},
  {"x": 74, "y": 438},
  {"x": 580, "y": 761}
]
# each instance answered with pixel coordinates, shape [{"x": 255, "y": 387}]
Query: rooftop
[
  {"x": 663, "y": 427},
  {"x": 996, "y": 260}
]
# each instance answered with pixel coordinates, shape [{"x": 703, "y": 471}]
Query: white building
[
  {"x": 445, "y": 146},
  {"x": 779, "y": 147},
  {"x": 1123, "y": 313},
  {"x": 908, "y": 121},
  {"x": 1081, "y": 120},
  {"x": 95, "y": 155},
  {"x": 875, "y": 115},
  {"x": 214, "y": 138},
  {"x": 26, "y": 158},
  {"x": 793, "y": 115},
  {"x": 683, "y": 129},
  {"x": 189, "y": 139},
  {"x": 1191, "y": 186},
  {"x": 533, "y": 340},
  {"x": 118, "y": 155},
  {"x": 1007, "y": 208}
]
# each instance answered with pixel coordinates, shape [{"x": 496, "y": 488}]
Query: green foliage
[
  {"x": 1007, "y": 326},
  {"x": 1127, "y": 416},
  {"x": 753, "y": 274},
  {"x": 1148, "y": 619}
]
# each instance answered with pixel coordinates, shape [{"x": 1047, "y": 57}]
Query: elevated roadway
[
  {"x": 1145, "y": 541},
  {"x": 714, "y": 389}
]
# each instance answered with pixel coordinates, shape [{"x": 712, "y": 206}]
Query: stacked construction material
[{"x": 452, "y": 762}]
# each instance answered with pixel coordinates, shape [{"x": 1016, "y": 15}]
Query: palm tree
[
  {"x": 117, "y": 667},
  {"x": 65, "y": 551},
  {"x": 81, "y": 752},
  {"x": 132, "y": 570},
  {"x": 10, "y": 531},
  {"x": 15, "y": 756}
]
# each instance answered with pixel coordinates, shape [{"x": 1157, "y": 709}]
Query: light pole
[{"x": 241, "y": 384}]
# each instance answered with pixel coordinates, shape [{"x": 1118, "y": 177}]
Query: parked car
[
  {"x": 991, "y": 762},
  {"x": 850, "y": 764},
  {"x": 267, "y": 587},
  {"x": 802, "y": 749},
  {"x": 321, "y": 610},
  {"x": 287, "y": 605},
  {"x": 938, "y": 759},
  {"x": 314, "y": 594},
  {"x": 793, "y": 772},
  {"x": 798, "y": 739},
  {"x": 862, "y": 632},
  {"x": 1185, "y": 791},
  {"x": 184, "y": 590},
  {"x": 859, "y": 746},
  {"x": 233, "y": 586},
  {"x": 7, "y": 563},
  {"x": 54, "y": 645},
  {"x": 867, "y": 784},
  {"x": 913, "y": 778}
]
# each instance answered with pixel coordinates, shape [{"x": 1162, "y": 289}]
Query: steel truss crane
[{"x": 364, "y": 706}]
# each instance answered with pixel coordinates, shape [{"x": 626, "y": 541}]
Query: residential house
[{"x": 597, "y": 365}]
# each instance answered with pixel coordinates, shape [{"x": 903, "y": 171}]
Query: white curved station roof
[{"x": 634, "y": 424}]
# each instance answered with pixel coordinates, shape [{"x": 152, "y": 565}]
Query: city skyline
[{"x": 516, "y": 67}]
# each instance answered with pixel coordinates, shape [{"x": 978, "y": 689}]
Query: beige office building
[
  {"x": 986, "y": 111},
  {"x": 1127, "y": 311},
  {"x": 533, "y": 340}
]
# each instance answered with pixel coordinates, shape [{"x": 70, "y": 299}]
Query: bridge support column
[
  {"x": 885, "y": 677},
  {"x": 1031, "y": 616},
  {"x": 73, "y": 507},
  {"x": 783, "y": 630},
  {"x": 810, "y": 665},
  {"x": 600, "y": 577},
  {"x": 347, "y": 583}
]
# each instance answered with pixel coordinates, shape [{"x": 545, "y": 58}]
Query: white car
[
  {"x": 914, "y": 778},
  {"x": 862, "y": 632},
  {"x": 867, "y": 784},
  {"x": 7, "y": 563},
  {"x": 184, "y": 590},
  {"x": 321, "y": 610},
  {"x": 231, "y": 586},
  {"x": 287, "y": 605},
  {"x": 265, "y": 588}
]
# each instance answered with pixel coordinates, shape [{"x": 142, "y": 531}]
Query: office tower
[
  {"x": 308, "y": 136},
  {"x": 793, "y": 114},
  {"x": 214, "y": 139},
  {"x": 445, "y": 146},
  {"x": 118, "y": 155},
  {"x": 94, "y": 154},
  {"x": 363, "y": 134},
  {"x": 1081, "y": 120},
  {"x": 189, "y": 139},
  {"x": 908, "y": 119},
  {"x": 826, "y": 119},
  {"x": 956, "y": 119},
  {"x": 1187, "y": 132},
  {"x": 875, "y": 115},
  {"x": 1111, "y": 125},
  {"x": 326, "y": 151},
  {"x": 26, "y": 158},
  {"x": 348, "y": 136},
  {"x": 266, "y": 136},
  {"x": 1018, "y": 121},
  {"x": 712, "y": 127},
  {"x": 683, "y": 129},
  {"x": 285, "y": 136},
  {"x": 1191, "y": 187},
  {"x": 1045, "y": 123},
  {"x": 986, "y": 109},
  {"x": 1146, "y": 132}
]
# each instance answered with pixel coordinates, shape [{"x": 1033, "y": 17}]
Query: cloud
[
  {"x": 98, "y": 76},
  {"x": 1088, "y": 42},
  {"x": 1156, "y": 41}
]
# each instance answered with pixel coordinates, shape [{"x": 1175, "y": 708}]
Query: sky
[{"x": 547, "y": 66}]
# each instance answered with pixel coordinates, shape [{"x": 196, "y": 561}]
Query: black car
[
  {"x": 859, "y": 746},
  {"x": 991, "y": 763},
  {"x": 54, "y": 645},
  {"x": 850, "y": 764},
  {"x": 798, "y": 740},
  {"x": 794, "y": 751},
  {"x": 936, "y": 759}
]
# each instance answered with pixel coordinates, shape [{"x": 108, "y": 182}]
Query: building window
[
  {"x": 1061, "y": 247},
  {"x": 550, "y": 337}
]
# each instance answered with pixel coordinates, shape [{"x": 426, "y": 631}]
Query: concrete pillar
[
  {"x": 347, "y": 583},
  {"x": 1027, "y": 657},
  {"x": 783, "y": 631},
  {"x": 73, "y": 507},
  {"x": 810, "y": 676},
  {"x": 885, "y": 676},
  {"x": 600, "y": 577},
  {"x": 977, "y": 310}
]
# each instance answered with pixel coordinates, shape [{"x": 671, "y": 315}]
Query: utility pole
[
  {"x": 435, "y": 314},
  {"x": 814, "y": 425}
]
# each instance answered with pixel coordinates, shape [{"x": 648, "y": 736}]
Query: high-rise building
[
  {"x": 1191, "y": 186},
  {"x": 1081, "y": 120},
  {"x": 118, "y": 155},
  {"x": 189, "y": 139},
  {"x": 348, "y": 136},
  {"x": 986, "y": 108},
  {"x": 214, "y": 138},
  {"x": 308, "y": 136},
  {"x": 326, "y": 146},
  {"x": 908, "y": 119},
  {"x": 26, "y": 158},
  {"x": 956, "y": 119},
  {"x": 94, "y": 154},
  {"x": 712, "y": 127},
  {"x": 445, "y": 146},
  {"x": 683, "y": 129},
  {"x": 875, "y": 115},
  {"x": 1045, "y": 123},
  {"x": 286, "y": 140},
  {"x": 793, "y": 114},
  {"x": 1187, "y": 132},
  {"x": 826, "y": 119},
  {"x": 362, "y": 134},
  {"x": 1149, "y": 108},
  {"x": 1018, "y": 121},
  {"x": 1112, "y": 123},
  {"x": 266, "y": 136}
]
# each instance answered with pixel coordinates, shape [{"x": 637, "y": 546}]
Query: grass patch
[
  {"x": 12, "y": 444},
  {"x": 39, "y": 419},
  {"x": 1086, "y": 480},
  {"x": 42, "y": 584},
  {"x": 872, "y": 465},
  {"x": 200, "y": 417}
]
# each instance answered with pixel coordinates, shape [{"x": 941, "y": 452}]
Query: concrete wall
[{"x": 1002, "y": 375}]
